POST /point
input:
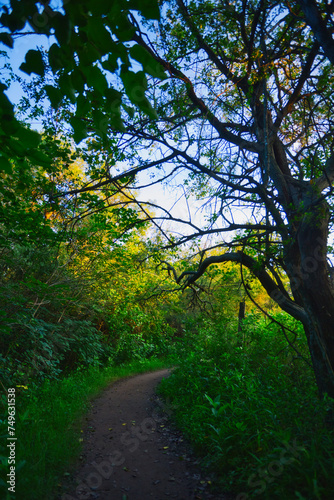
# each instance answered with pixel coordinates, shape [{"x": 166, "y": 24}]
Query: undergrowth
[
  {"x": 251, "y": 410},
  {"x": 248, "y": 402},
  {"x": 48, "y": 426}
]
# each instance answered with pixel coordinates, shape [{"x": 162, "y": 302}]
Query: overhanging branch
[
  {"x": 220, "y": 127},
  {"x": 318, "y": 25},
  {"x": 112, "y": 180},
  {"x": 277, "y": 293}
]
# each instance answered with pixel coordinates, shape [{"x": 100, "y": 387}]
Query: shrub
[{"x": 254, "y": 415}]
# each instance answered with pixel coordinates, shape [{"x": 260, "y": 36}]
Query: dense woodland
[{"x": 230, "y": 104}]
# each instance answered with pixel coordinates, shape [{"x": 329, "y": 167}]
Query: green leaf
[
  {"x": 111, "y": 63},
  {"x": 83, "y": 106},
  {"x": 113, "y": 102},
  {"x": 100, "y": 123},
  {"x": 14, "y": 21},
  {"x": 113, "y": 98},
  {"x": 6, "y": 106},
  {"x": 135, "y": 85},
  {"x": 149, "y": 8},
  {"x": 77, "y": 79},
  {"x": 123, "y": 29},
  {"x": 79, "y": 129},
  {"x": 54, "y": 95},
  {"x": 28, "y": 138},
  {"x": 33, "y": 63},
  {"x": 8, "y": 123},
  {"x": 130, "y": 111},
  {"x": 66, "y": 87},
  {"x": 17, "y": 148},
  {"x": 150, "y": 65},
  {"x": 96, "y": 79},
  {"x": 39, "y": 158},
  {"x": 6, "y": 39},
  {"x": 62, "y": 26},
  {"x": 5, "y": 165},
  {"x": 88, "y": 54},
  {"x": 100, "y": 36},
  {"x": 55, "y": 57}
]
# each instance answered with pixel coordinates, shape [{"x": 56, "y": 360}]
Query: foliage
[
  {"x": 252, "y": 411},
  {"x": 242, "y": 122},
  {"x": 49, "y": 326},
  {"x": 89, "y": 46},
  {"x": 233, "y": 102},
  {"x": 139, "y": 335},
  {"x": 70, "y": 284}
]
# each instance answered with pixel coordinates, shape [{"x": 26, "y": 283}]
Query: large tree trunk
[{"x": 312, "y": 289}]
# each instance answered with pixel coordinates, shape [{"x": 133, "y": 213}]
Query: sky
[{"x": 169, "y": 197}]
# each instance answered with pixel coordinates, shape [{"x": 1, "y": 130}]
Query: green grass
[
  {"x": 49, "y": 422},
  {"x": 253, "y": 414}
]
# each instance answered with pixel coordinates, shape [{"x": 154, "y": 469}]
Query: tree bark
[{"x": 308, "y": 272}]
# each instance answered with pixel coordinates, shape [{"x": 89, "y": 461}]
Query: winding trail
[{"x": 132, "y": 453}]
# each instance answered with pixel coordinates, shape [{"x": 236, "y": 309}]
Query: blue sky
[{"x": 170, "y": 197}]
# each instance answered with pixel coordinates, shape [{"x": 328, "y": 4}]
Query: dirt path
[{"x": 131, "y": 452}]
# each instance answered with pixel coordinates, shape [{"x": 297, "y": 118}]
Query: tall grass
[
  {"x": 253, "y": 413},
  {"x": 49, "y": 422}
]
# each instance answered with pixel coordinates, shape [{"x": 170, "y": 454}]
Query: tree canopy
[
  {"x": 233, "y": 101},
  {"x": 87, "y": 41}
]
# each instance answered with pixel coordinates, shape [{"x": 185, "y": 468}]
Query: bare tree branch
[
  {"x": 273, "y": 290},
  {"x": 315, "y": 20}
]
